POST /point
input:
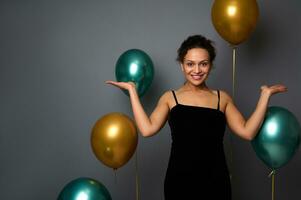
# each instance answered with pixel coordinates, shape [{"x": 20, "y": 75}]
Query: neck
[{"x": 192, "y": 87}]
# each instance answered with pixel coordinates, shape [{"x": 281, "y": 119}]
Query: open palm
[
  {"x": 122, "y": 85},
  {"x": 274, "y": 89}
]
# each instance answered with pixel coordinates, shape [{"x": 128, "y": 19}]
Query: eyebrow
[{"x": 194, "y": 61}]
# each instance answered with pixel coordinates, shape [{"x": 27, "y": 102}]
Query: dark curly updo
[{"x": 196, "y": 41}]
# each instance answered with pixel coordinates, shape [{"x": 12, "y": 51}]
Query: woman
[{"x": 197, "y": 116}]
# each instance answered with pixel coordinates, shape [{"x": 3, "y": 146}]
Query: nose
[{"x": 197, "y": 69}]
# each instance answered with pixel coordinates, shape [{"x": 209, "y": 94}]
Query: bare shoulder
[
  {"x": 167, "y": 95},
  {"x": 225, "y": 99},
  {"x": 166, "y": 98},
  {"x": 225, "y": 96}
]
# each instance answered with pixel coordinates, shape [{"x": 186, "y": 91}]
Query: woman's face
[{"x": 196, "y": 66}]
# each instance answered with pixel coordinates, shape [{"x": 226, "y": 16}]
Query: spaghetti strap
[
  {"x": 174, "y": 95},
  {"x": 218, "y": 95}
]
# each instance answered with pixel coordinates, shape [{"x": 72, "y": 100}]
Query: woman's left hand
[{"x": 274, "y": 89}]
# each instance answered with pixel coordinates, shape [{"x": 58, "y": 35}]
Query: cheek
[
  {"x": 187, "y": 70},
  {"x": 208, "y": 69}
]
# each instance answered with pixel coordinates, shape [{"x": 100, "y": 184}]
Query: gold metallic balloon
[
  {"x": 114, "y": 139},
  {"x": 235, "y": 20}
]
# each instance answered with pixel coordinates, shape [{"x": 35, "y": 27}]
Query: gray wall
[{"x": 56, "y": 55}]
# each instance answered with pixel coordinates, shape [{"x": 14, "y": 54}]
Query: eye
[
  {"x": 204, "y": 64},
  {"x": 189, "y": 64}
]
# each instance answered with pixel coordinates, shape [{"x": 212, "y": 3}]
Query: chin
[{"x": 196, "y": 82}]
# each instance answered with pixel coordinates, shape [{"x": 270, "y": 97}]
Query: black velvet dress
[{"x": 197, "y": 166}]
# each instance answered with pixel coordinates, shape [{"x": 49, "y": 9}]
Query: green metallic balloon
[
  {"x": 136, "y": 66},
  {"x": 84, "y": 189},
  {"x": 278, "y": 138}
]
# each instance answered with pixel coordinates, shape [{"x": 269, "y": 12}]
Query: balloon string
[
  {"x": 115, "y": 173},
  {"x": 137, "y": 178},
  {"x": 233, "y": 70},
  {"x": 233, "y": 95},
  {"x": 273, "y": 183}
]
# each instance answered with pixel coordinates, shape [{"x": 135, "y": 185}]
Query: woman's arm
[
  {"x": 148, "y": 126},
  {"x": 248, "y": 129}
]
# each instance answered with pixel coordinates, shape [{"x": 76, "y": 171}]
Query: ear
[
  {"x": 210, "y": 67},
  {"x": 182, "y": 67}
]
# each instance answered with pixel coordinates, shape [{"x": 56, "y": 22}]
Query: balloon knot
[
  {"x": 233, "y": 46},
  {"x": 273, "y": 172}
]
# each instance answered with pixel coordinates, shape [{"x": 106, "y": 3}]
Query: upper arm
[
  {"x": 159, "y": 115},
  {"x": 235, "y": 119}
]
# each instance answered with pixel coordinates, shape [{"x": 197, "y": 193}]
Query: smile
[{"x": 197, "y": 77}]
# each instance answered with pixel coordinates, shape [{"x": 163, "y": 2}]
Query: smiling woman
[
  {"x": 197, "y": 116},
  {"x": 196, "y": 65}
]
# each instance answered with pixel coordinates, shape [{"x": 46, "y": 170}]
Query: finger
[
  {"x": 113, "y": 83},
  {"x": 281, "y": 88},
  {"x": 109, "y": 82}
]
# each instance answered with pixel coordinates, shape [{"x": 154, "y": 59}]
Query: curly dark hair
[{"x": 196, "y": 41}]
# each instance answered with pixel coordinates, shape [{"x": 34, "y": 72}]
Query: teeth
[{"x": 196, "y": 76}]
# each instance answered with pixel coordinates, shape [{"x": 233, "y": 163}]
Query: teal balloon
[
  {"x": 84, "y": 189},
  {"x": 278, "y": 138},
  {"x": 136, "y": 66}
]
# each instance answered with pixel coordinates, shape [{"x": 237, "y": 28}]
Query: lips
[{"x": 197, "y": 77}]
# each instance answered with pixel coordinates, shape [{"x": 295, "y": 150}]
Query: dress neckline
[{"x": 199, "y": 107}]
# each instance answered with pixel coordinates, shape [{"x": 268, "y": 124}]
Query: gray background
[{"x": 56, "y": 55}]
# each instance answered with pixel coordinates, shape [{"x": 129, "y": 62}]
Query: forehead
[{"x": 197, "y": 54}]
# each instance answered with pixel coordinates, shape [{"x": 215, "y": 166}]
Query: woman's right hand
[{"x": 122, "y": 85}]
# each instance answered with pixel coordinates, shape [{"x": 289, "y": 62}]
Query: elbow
[
  {"x": 146, "y": 133},
  {"x": 246, "y": 135},
  {"x": 249, "y": 136}
]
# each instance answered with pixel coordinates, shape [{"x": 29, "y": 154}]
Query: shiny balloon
[
  {"x": 114, "y": 139},
  {"x": 135, "y": 66},
  {"x": 84, "y": 189},
  {"x": 235, "y": 20},
  {"x": 278, "y": 138}
]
